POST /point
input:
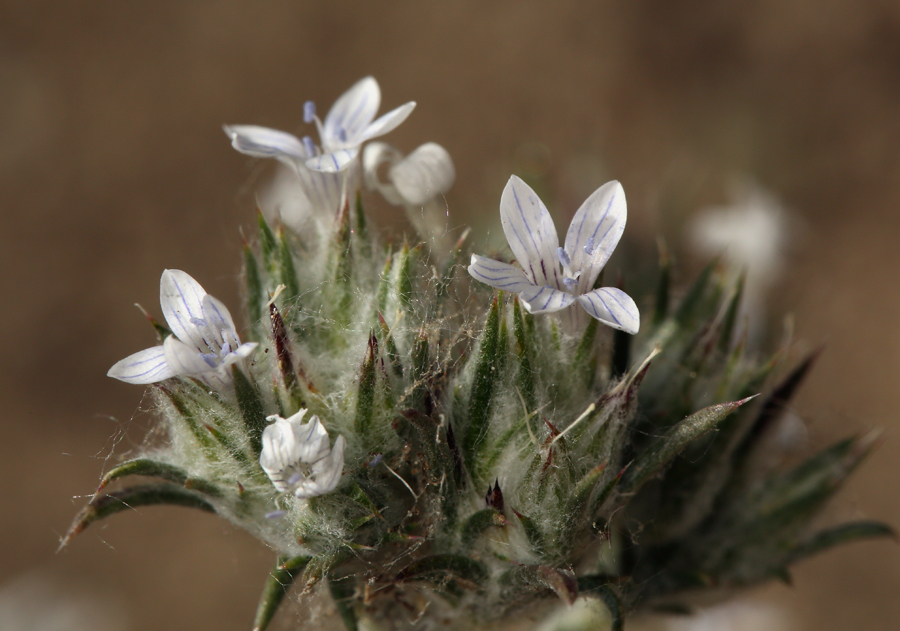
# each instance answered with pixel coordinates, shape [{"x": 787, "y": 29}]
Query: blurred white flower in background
[{"x": 752, "y": 234}]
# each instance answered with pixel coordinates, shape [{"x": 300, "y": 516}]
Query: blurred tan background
[{"x": 113, "y": 166}]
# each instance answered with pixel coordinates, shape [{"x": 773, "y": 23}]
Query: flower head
[
  {"x": 298, "y": 457},
  {"x": 204, "y": 343},
  {"x": 553, "y": 278}
]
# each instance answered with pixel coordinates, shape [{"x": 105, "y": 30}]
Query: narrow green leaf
[
  {"x": 286, "y": 269},
  {"x": 845, "y": 533},
  {"x": 475, "y": 525},
  {"x": 276, "y": 588},
  {"x": 693, "y": 302},
  {"x": 285, "y": 358},
  {"x": 155, "y": 469},
  {"x": 251, "y": 408},
  {"x": 390, "y": 347},
  {"x": 664, "y": 449},
  {"x": 421, "y": 363},
  {"x": 532, "y": 533},
  {"x": 384, "y": 284},
  {"x": 267, "y": 244},
  {"x": 404, "y": 276},
  {"x": 563, "y": 583},
  {"x": 525, "y": 354},
  {"x": 482, "y": 391},
  {"x": 194, "y": 427},
  {"x": 129, "y": 499},
  {"x": 365, "y": 397},
  {"x": 438, "y": 568},
  {"x": 253, "y": 287}
]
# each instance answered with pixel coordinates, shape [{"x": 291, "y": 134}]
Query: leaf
[
  {"x": 475, "y": 525},
  {"x": 276, "y": 588},
  {"x": 563, "y": 583},
  {"x": 439, "y": 568},
  {"x": 287, "y": 272},
  {"x": 267, "y": 243},
  {"x": 129, "y": 499},
  {"x": 839, "y": 535},
  {"x": 253, "y": 286},
  {"x": 482, "y": 391},
  {"x": 154, "y": 469},
  {"x": 365, "y": 396},
  {"x": 664, "y": 449},
  {"x": 251, "y": 407},
  {"x": 532, "y": 533}
]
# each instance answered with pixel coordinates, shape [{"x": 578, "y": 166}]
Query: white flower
[
  {"x": 351, "y": 122},
  {"x": 298, "y": 458},
  {"x": 553, "y": 278},
  {"x": 204, "y": 343}
]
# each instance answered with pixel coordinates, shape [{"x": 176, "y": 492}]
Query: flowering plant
[{"x": 420, "y": 450}]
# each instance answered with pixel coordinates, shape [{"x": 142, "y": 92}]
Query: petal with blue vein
[
  {"x": 181, "y": 299},
  {"x": 612, "y": 307},
  {"x": 218, "y": 319},
  {"x": 387, "y": 122},
  {"x": 311, "y": 441},
  {"x": 598, "y": 224},
  {"x": 500, "y": 275},
  {"x": 332, "y": 162},
  {"x": 186, "y": 360},
  {"x": 263, "y": 142},
  {"x": 545, "y": 299},
  {"x": 147, "y": 366},
  {"x": 351, "y": 114},
  {"x": 530, "y": 232},
  {"x": 424, "y": 174}
]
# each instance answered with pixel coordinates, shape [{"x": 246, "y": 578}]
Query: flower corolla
[
  {"x": 553, "y": 278},
  {"x": 298, "y": 457},
  {"x": 204, "y": 343}
]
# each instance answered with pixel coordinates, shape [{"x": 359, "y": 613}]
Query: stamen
[
  {"x": 376, "y": 460},
  {"x": 276, "y": 514},
  {"x": 294, "y": 479},
  {"x": 564, "y": 258},
  {"x": 589, "y": 246},
  {"x": 570, "y": 282},
  {"x": 309, "y": 112},
  {"x": 310, "y": 146},
  {"x": 342, "y": 134}
]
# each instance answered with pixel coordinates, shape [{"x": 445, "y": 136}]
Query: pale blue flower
[
  {"x": 298, "y": 457},
  {"x": 552, "y": 278},
  {"x": 204, "y": 343}
]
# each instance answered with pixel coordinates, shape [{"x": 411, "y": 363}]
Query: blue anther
[
  {"x": 309, "y": 112},
  {"x": 589, "y": 246},
  {"x": 564, "y": 258}
]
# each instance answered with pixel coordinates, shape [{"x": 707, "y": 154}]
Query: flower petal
[
  {"x": 500, "y": 275},
  {"x": 375, "y": 155},
  {"x": 612, "y": 307},
  {"x": 325, "y": 474},
  {"x": 530, "y": 233},
  {"x": 387, "y": 122},
  {"x": 218, "y": 324},
  {"x": 597, "y": 226},
  {"x": 332, "y": 162},
  {"x": 181, "y": 299},
  {"x": 263, "y": 142},
  {"x": 147, "y": 366},
  {"x": 545, "y": 299},
  {"x": 187, "y": 360},
  {"x": 424, "y": 174},
  {"x": 351, "y": 114},
  {"x": 311, "y": 441}
]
